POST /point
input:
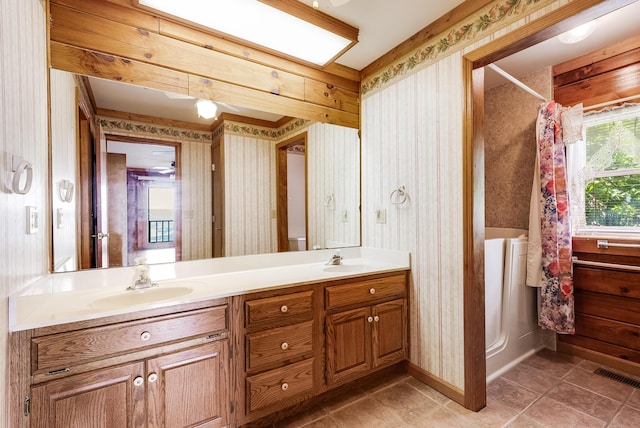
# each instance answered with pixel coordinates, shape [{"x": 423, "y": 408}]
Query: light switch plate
[
  {"x": 32, "y": 220},
  {"x": 344, "y": 216},
  {"x": 381, "y": 216}
]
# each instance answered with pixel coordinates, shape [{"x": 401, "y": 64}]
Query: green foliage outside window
[{"x": 613, "y": 199}]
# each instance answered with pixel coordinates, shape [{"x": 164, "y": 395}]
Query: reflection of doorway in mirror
[
  {"x": 143, "y": 219},
  {"x": 292, "y": 194}
]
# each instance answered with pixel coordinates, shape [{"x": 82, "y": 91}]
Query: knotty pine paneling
[
  {"x": 64, "y": 108},
  {"x": 23, "y": 115}
]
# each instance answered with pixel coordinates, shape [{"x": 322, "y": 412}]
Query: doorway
[
  {"x": 291, "y": 195},
  {"x": 554, "y": 23}
]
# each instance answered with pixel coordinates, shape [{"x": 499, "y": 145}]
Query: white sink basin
[
  {"x": 140, "y": 297},
  {"x": 346, "y": 268}
]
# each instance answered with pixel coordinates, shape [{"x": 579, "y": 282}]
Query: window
[{"x": 607, "y": 170}]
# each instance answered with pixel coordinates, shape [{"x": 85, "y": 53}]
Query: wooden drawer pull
[
  {"x": 284, "y": 346},
  {"x": 283, "y": 308},
  {"x": 372, "y": 291},
  {"x": 138, "y": 381},
  {"x": 285, "y": 386},
  {"x": 152, "y": 377},
  {"x": 370, "y": 319},
  {"x": 145, "y": 336},
  {"x": 376, "y": 318}
]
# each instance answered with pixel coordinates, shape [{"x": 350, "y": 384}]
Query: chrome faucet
[
  {"x": 141, "y": 278},
  {"x": 336, "y": 259}
]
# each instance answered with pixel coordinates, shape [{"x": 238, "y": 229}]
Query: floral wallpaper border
[
  {"x": 456, "y": 38},
  {"x": 245, "y": 130},
  {"x": 149, "y": 130}
]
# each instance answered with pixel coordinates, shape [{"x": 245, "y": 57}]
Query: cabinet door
[
  {"x": 348, "y": 344},
  {"x": 189, "y": 388},
  {"x": 389, "y": 332},
  {"x": 102, "y": 399}
]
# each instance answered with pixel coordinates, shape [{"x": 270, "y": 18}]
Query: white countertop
[{"x": 77, "y": 296}]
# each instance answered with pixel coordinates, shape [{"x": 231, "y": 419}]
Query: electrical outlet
[
  {"x": 381, "y": 216},
  {"x": 345, "y": 216},
  {"x": 60, "y": 218},
  {"x": 32, "y": 220}
]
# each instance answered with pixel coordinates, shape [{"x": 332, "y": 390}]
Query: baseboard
[
  {"x": 600, "y": 358},
  {"x": 443, "y": 387}
]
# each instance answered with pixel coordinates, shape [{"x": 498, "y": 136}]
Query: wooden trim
[
  {"x": 441, "y": 24},
  {"x": 436, "y": 383},
  {"x": 598, "y": 357},
  {"x": 473, "y": 218},
  {"x": 590, "y": 58}
]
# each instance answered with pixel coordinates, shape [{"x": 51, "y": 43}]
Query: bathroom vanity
[{"x": 239, "y": 346}]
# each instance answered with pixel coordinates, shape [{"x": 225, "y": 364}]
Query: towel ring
[
  {"x": 22, "y": 167},
  {"x": 399, "y": 196},
  {"x": 328, "y": 201},
  {"x": 65, "y": 191}
]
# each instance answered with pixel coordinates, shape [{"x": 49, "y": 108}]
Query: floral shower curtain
[{"x": 554, "y": 268}]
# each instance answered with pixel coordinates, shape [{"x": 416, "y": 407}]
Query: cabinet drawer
[
  {"x": 278, "y": 344},
  {"x": 289, "y": 308},
  {"x": 62, "y": 350},
  {"x": 615, "y": 332},
  {"x": 280, "y": 384},
  {"x": 363, "y": 292},
  {"x": 619, "y": 283}
]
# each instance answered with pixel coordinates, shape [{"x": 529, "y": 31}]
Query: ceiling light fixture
[
  {"x": 578, "y": 34},
  {"x": 206, "y": 109},
  {"x": 286, "y": 26}
]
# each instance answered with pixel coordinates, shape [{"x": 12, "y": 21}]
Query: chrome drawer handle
[
  {"x": 370, "y": 319},
  {"x": 284, "y": 346},
  {"x": 285, "y": 386},
  {"x": 152, "y": 377},
  {"x": 372, "y": 291},
  {"x": 283, "y": 308},
  {"x": 376, "y": 318},
  {"x": 138, "y": 381}
]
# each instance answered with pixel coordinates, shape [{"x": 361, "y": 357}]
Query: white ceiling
[{"x": 383, "y": 24}]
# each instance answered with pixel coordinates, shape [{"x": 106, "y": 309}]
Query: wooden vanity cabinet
[
  {"x": 181, "y": 380},
  {"x": 366, "y": 327}
]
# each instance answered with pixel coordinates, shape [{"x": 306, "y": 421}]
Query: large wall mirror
[{"x": 129, "y": 180}]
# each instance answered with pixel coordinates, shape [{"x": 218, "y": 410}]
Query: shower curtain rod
[{"x": 515, "y": 81}]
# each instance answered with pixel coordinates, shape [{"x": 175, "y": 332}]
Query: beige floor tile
[
  {"x": 303, "y": 418},
  {"x": 554, "y": 366},
  {"x": 495, "y": 414},
  {"x": 336, "y": 401},
  {"x": 602, "y": 385},
  {"x": 510, "y": 393},
  {"x": 524, "y": 422},
  {"x": 551, "y": 413},
  {"x": 443, "y": 418},
  {"x": 409, "y": 404},
  {"x": 586, "y": 401},
  {"x": 366, "y": 413},
  {"x": 634, "y": 400},
  {"x": 428, "y": 391},
  {"x": 325, "y": 422},
  {"x": 384, "y": 381},
  {"x": 531, "y": 377},
  {"x": 627, "y": 418}
]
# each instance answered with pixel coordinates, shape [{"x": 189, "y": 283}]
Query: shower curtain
[{"x": 549, "y": 263}]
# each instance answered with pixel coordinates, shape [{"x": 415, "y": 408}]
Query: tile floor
[{"x": 546, "y": 390}]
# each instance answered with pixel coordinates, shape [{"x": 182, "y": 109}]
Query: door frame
[
  {"x": 550, "y": 25},
  {"x": 282, "y": 204}
]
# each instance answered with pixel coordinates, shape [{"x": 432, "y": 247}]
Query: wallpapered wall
[
  {"x": 250, "y": 186},
  {"x": 63, "y": 165},
  {"x": 23, "y": 115},
  {"x": 510, "y": 149},
  {"x": 412, "y": 136}
]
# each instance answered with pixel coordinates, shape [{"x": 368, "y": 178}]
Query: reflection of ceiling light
[
  {"x": 318, "y": 38},
  {"x": 206, "y": 108},
  {"x": 578, "y": 34}
]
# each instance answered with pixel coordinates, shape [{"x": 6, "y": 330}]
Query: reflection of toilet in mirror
[{"x": 297, "y": 244}]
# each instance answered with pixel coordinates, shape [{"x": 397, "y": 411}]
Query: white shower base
[{"x": 511, "y": 319}]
